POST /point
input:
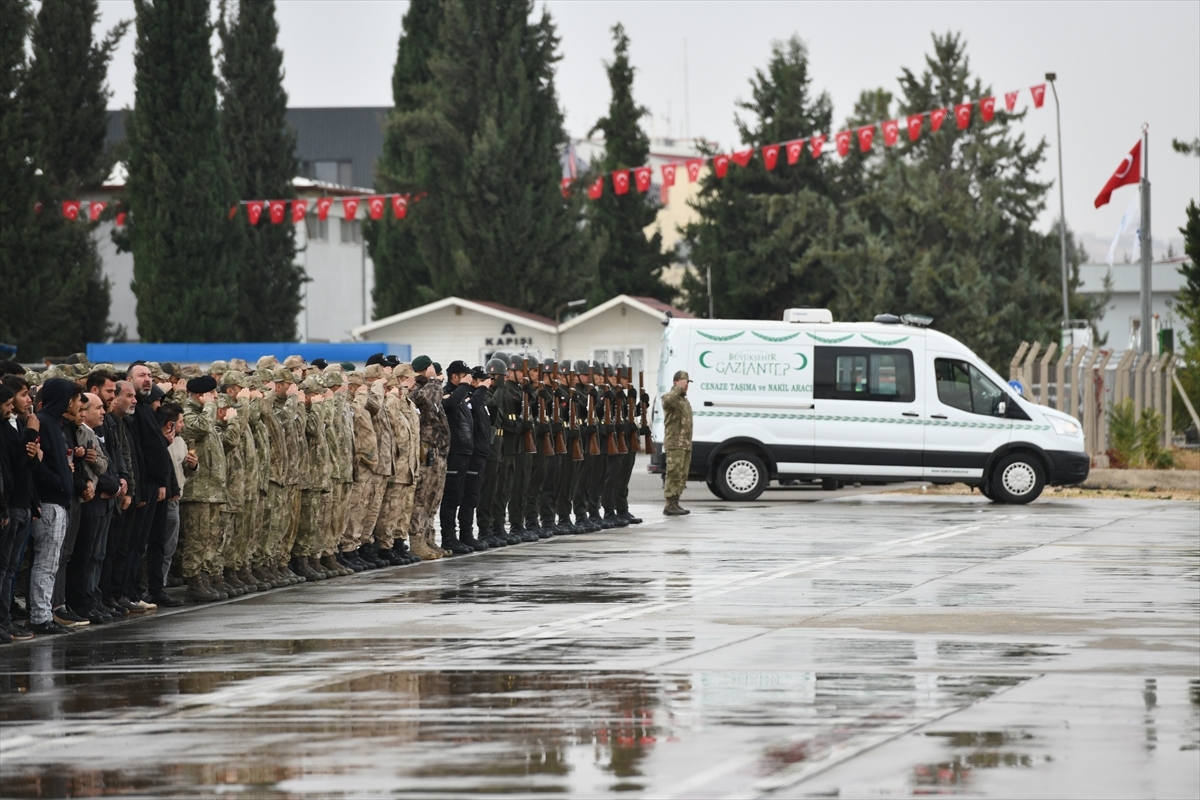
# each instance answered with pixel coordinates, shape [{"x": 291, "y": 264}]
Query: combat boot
[
  {"x": 263, "y": 576},
  {"x": 231, "y": 580},
  {"x": 495, "y": 538},
  {"x": 211, "y": 582},
  {"x": 420, "y": 548},
  {"x": 673, "y": 509},
  {"x": 614, "y": 520},
  {"x": 301, "y": 567},
  {"x": 290, "y": 576},
  {"x": 247, "y": 576},
  {"x": 476, "y": 545},
  {"x": 400, "y": 548},
  {"x": 217, "y": 581},
  {"x": 198, "y": 592},
  {"x": 330, "y": 564},
  {"x": 630, "y": 518}
]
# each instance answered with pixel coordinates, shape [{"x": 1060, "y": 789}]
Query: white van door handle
[
  {"x": 938, "y": 416},
  {"x": 909, "y": 414}
]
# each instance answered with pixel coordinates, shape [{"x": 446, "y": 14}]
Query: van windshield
[{"x": 960, "y": 385}]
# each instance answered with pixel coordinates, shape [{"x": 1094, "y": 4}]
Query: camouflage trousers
[
  {"x": 395, "y": 514},
  {"x": 282, "y": 515},
  {"x": 339, "y": 517},
  {"x": 201, "y": 524},
  {"x": 261, "y": 529},
  {"x": 366, "y": 498},
  {"x": 678, "y": 464},
  {"x": 431, "y": 483},
  {"x": 308, "y": 538}
]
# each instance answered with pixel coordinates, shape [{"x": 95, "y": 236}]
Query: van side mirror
[{"x": 1001, "y": 408}]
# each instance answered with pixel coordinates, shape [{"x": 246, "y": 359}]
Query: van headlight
[{"x": 1064, "y": 427}]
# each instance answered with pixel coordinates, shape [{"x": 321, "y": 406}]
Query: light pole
[{"x": 1062, "y": 204}]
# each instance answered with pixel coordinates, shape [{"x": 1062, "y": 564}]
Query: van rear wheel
[
  {"x": 741, "y": 476},
  {"x": 1018, "y": 479}
]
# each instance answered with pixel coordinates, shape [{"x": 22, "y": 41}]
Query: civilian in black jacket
[
  {"x": 148, "y": 537},
  {"x": 457, "y": 403},
  {"x": 481, "y": 440},
  {"x": 19, "y": 453},
  {"x": 112, "y": 575}
]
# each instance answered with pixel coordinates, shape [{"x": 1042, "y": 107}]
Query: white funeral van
[{"x": 810, "y": 399}]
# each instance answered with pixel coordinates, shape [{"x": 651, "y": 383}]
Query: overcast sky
[{"x": 1120, "y": 64}]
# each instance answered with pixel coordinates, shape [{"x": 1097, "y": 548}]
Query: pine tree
[
  {"x": 1188, "y": 304},
  {"x": 489, "y": 133},
  {"x": 261, "y": 149},
  {"x": 180, "y": 189},
  {"x": 758, "y": 270},
  {"x": 402, "y": 278},
  {"x": 630, "y": 262},
  {"x": 59, "y": 114}
]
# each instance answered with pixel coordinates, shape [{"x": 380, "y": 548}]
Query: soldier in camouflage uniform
[
  {"x": 205, "y": 492},
  {"x": 396, "y": 513},
  {"x": 435, "y": 445},
  {"x": 257, "y": 457},
  {"x": 677, "y": 442},
  {"x": 240, "y": 480},
  {"x": 366, "y": 493},
  {"x": 234, "y": 430},
  {"x": 284, "y": 507},
  {"x": 341, "y": 442},
  {"x": 315, "y": 485}
]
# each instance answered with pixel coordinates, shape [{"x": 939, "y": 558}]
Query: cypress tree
[
  {"x": 402, "y": 278},
  {"x": 630, "y": 263},
  {"x": 59, "y": 110},
  {"x": 180, "y": 189},
  {"x": 261, "y": 149}
]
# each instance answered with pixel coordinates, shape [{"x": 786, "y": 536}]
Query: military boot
[
  {"x": 630, "y": 518},
  {"x": 198, "y": 592},
  {"x": 263, "y": 576},
  {"x": 450, "y": 542},
  {"x": 301, "y": 567},
  {"x": 247, "y": 576},
  {"x": 217, "y": 580},
  {"x": 400, "y": 548},
  {"x": 672, "y": 508},
  {"x": 421, "y": 548},
  {"x": 231, "y": 580},
  {"x": 330, "y": 564},
  {"x": 212, "y": 583}
]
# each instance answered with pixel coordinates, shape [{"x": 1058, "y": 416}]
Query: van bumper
[{"x": 1068, "y": 467}]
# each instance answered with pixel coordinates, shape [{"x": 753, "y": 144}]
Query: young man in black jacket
[
  {"x": 121, "y": 530},
  {"x": 481, "y": 438},
  {"x": 148, "y": 536},
  {"x": 20, "y": 452},
  {"x": 457, "y": 403}
]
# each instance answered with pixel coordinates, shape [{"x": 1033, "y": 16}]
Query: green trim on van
[
  {"x": 881, "y": 342},
  {"x": 716, "y": 338},
  {"x": 876, "y": 420},
  {"x": 766, "y": 338},
  {"x": 823, "y": 340}
]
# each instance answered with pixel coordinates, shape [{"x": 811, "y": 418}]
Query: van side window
[
  {"x": 962, "y": 386},
  {"x": 864, "y": 373}
]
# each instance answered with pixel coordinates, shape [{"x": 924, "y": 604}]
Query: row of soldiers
[{"x": 306, "y": 471}]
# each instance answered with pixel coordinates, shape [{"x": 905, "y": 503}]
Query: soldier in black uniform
[
  {"x": 581, "y": 474},
  {"x": 515, "y": 407},
  {"x": 594, "y": 464},
  {"x": 537, "y": 392},
  {"x": 481, "y": 433},
  {"x": 565, "y": 464},
  {"x": 631, "y": 404},
  {"x": 613, "y": 466},
  {"x": 497, "y": 369},
  {"x": 549, "y": 456}
]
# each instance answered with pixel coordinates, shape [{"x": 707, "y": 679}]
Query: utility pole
[
  {"x": 1147, "y": 324},
  {"x": 710, "y": 297},
  {"x": 1062, "y": 207},
  {"x": 687, "y": 116}
]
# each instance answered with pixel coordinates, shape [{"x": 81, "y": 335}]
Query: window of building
[
  {"x": 318, "y": 229},
  {"x": 859, "y": 373},
  {"x": 339, "y": 172},
  {"x": 962, "y": 386},
  {"x": 621, "y": 356},
  {"x": 351, "y": 230}
]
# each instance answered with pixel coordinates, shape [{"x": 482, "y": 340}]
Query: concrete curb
[{"x": 1177, "y": 479}]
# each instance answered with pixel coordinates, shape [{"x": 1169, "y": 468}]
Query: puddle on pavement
[
  {"x": 590, "y": 588},
  {"x": 975, "y": 750}
]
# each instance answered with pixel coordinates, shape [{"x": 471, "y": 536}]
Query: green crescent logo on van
[
  {"x": 716, "y": 338},
  {"x": 803, "y": 361},
  {"x": 702, "y": 355}
]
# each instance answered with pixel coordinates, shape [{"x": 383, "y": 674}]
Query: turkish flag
[
  {"x": 794, "y": 149},
  {"x": 1128, "y": 171},
  {"x": 742, "y": 157},
  {"x": 254, "y": 211},
  {"x": 350, "y": 207},
  {"x": 1010, "y": 101},
  {"x": 277, "y": 208},
  {"x": 565, "y": 186},
  {"x": 962, "y": 115},
  {"x": 299, "y": 210},
  {"x": 323, "y": 205},
  {"x": 375, "y": 207},
  {"x": 866, "y": 137},
  {"x": 770, "y": 156},
  {"x": 816, "y": 143},
  {"x": 1039, "y": 94},
  {"x": 987, "y": 108},
  {"x": 721, "y": 165},
  {"x": 641, "y": 178},
  {"x": 121, "y": 219},
  {"x": 620, "y": 181},
  {"x": 70, "y": 209},
  {"x": 693, "y": 168},
  {"x": 95, "y": 209},
  {"x": 843, "y": 143},
  {"x": 668, "y": 173},
  {"x": 400, "y": 205},
  {"x": 891, "y": 132},
  {"x": 914, "y": 126},
  {"x": 936, "y": 117},
  {"x": 596, "y": 190}
]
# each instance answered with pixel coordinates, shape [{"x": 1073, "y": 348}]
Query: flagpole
[
  {"x": 1062, "y": 208},
  {"x": 1147, "y": 323}
]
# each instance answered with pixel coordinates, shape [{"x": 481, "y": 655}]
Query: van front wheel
[
  {"x": 1018, "y": 478},
  {"x": 741, "y": 476}
]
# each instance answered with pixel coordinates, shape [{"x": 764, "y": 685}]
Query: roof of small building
[
  {"x": 647, "y": 305},
  {"x": 498, "y": 310}
]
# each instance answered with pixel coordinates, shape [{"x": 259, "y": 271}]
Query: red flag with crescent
[
  {"x": 1039, "y": 94},
  {"x": 936, "y": 117},
  {"x": 565, "y": 186},
  {"x": 120, "y": 219},
  {"x": 668, "y": 174},
  {"x": 400, "y": 206},
  {"x": 843, "y": 143},
  {"x": 866, "y": 137},
  {"x": 794, "y": 149},
  {"x": 742, "y": 157},
  {"x": 770, "y": 156},
  {"x": 620, "y": 178},
  {"x": 641, "y": 178},
  {"x": 962, "y": 115},
  {"x": 95, "y": 209},
  {"x": 891, "y": 132},
  {"x": 299, "y": 210},
  {"x": 596, "y": 190},
  {"x": 1010, "y": 101},
  {"x": 375, "y": 207},
  {"x": 277, "y": 209},
  {"x": 816, "y": 143},
  {"x": 693, "y": 168},
  {"x": 1128, "y": 171},
  {"x": 70, "y": 209},
  {"x": 914, "y": 126},
  {"x": 323, "y": 206},
  {"x": 721, "y": 165},
  {"x": 987, "y": 108},
  {"x": 254, "y": 211},
  {"x": 350, "y": 207}
]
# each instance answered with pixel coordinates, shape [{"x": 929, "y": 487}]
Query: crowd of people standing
[{"x": 240, "y": 478}]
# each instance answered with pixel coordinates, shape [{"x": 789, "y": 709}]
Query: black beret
[
  {"x": 202, "y": 385},
  {"x": 375, "y": 358},
  {"x": 319, "y": 363}
]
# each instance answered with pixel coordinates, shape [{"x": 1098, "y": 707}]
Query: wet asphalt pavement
[{"x": 861, "y": 646}]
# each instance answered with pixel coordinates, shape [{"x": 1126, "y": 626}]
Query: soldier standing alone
[{"x": 677, "y": 442}]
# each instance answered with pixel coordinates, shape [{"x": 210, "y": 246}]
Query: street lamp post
[{"x": 1062, "y": 204}]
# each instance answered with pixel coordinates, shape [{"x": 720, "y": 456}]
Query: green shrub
[
  {"x": 1150, "y": 431},
  {"x": 1124, "y": 442}
]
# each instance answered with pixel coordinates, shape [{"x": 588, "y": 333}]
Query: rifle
[
  {"x": 594, "y": 441},
  {"x": 613, "y": 446},
  {"x": 645, "y": 423},
  {"x": 530, "y": 443},
  {"x": 634, "y": 443},
  {"x": 560, "y": 441},
  {"x": 547, "y": 437},
  {"x": 576, "y": 446}
]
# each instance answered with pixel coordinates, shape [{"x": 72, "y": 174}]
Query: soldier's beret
[
  {"x": 437, "y": 368},
  {"x": 347, "y": 366},
  {"x": 421, "y": 363},
  {"x": 202, "y": 384}
]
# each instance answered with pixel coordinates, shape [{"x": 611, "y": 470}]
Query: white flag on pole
[{"x": 1126, "y": 218}]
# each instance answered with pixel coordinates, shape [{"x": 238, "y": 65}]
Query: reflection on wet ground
[{"x": 876, "y": 647}]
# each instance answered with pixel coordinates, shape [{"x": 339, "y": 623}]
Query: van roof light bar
[{"x": 917, "y": 320}]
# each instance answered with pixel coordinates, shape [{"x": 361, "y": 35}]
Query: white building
[
  {"x": 1122, "y": 315},
  {"x": 625, "y": 330}
]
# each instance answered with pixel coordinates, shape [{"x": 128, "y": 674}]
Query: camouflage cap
[
  {"x": 34, "y": 378},
  {"x": 193, "y": 371},
  {"x": 332, "y": 380},
  {"x": 156, "y": 371},
  {"x": 172, "y": 369},
  {"x": 374, "y": 372},
  {"x": 282, "y": 375},
  {"x": 403, "y": 372},
  {"x": 268, "y": 362},
  {"x": 312, "y": 385},
  {"x": 224, "y": 400},
  {"x": 104, "y": 368},
  {"x": 681, "y": 375},
  {"x": 294, "y": 362},
  {"x": 264, "y": 376},
  {"x": 232, "y": 378},
  {"x": 237, "y": 363},
  {"x": 218, "y": 367},
  {"x": 251, "y": 381},
  {"x": 76, "y": 358},
  {"x": 355, "y": 379}
]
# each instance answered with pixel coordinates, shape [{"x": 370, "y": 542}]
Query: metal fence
[{"x": 1086, "y": 382}]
